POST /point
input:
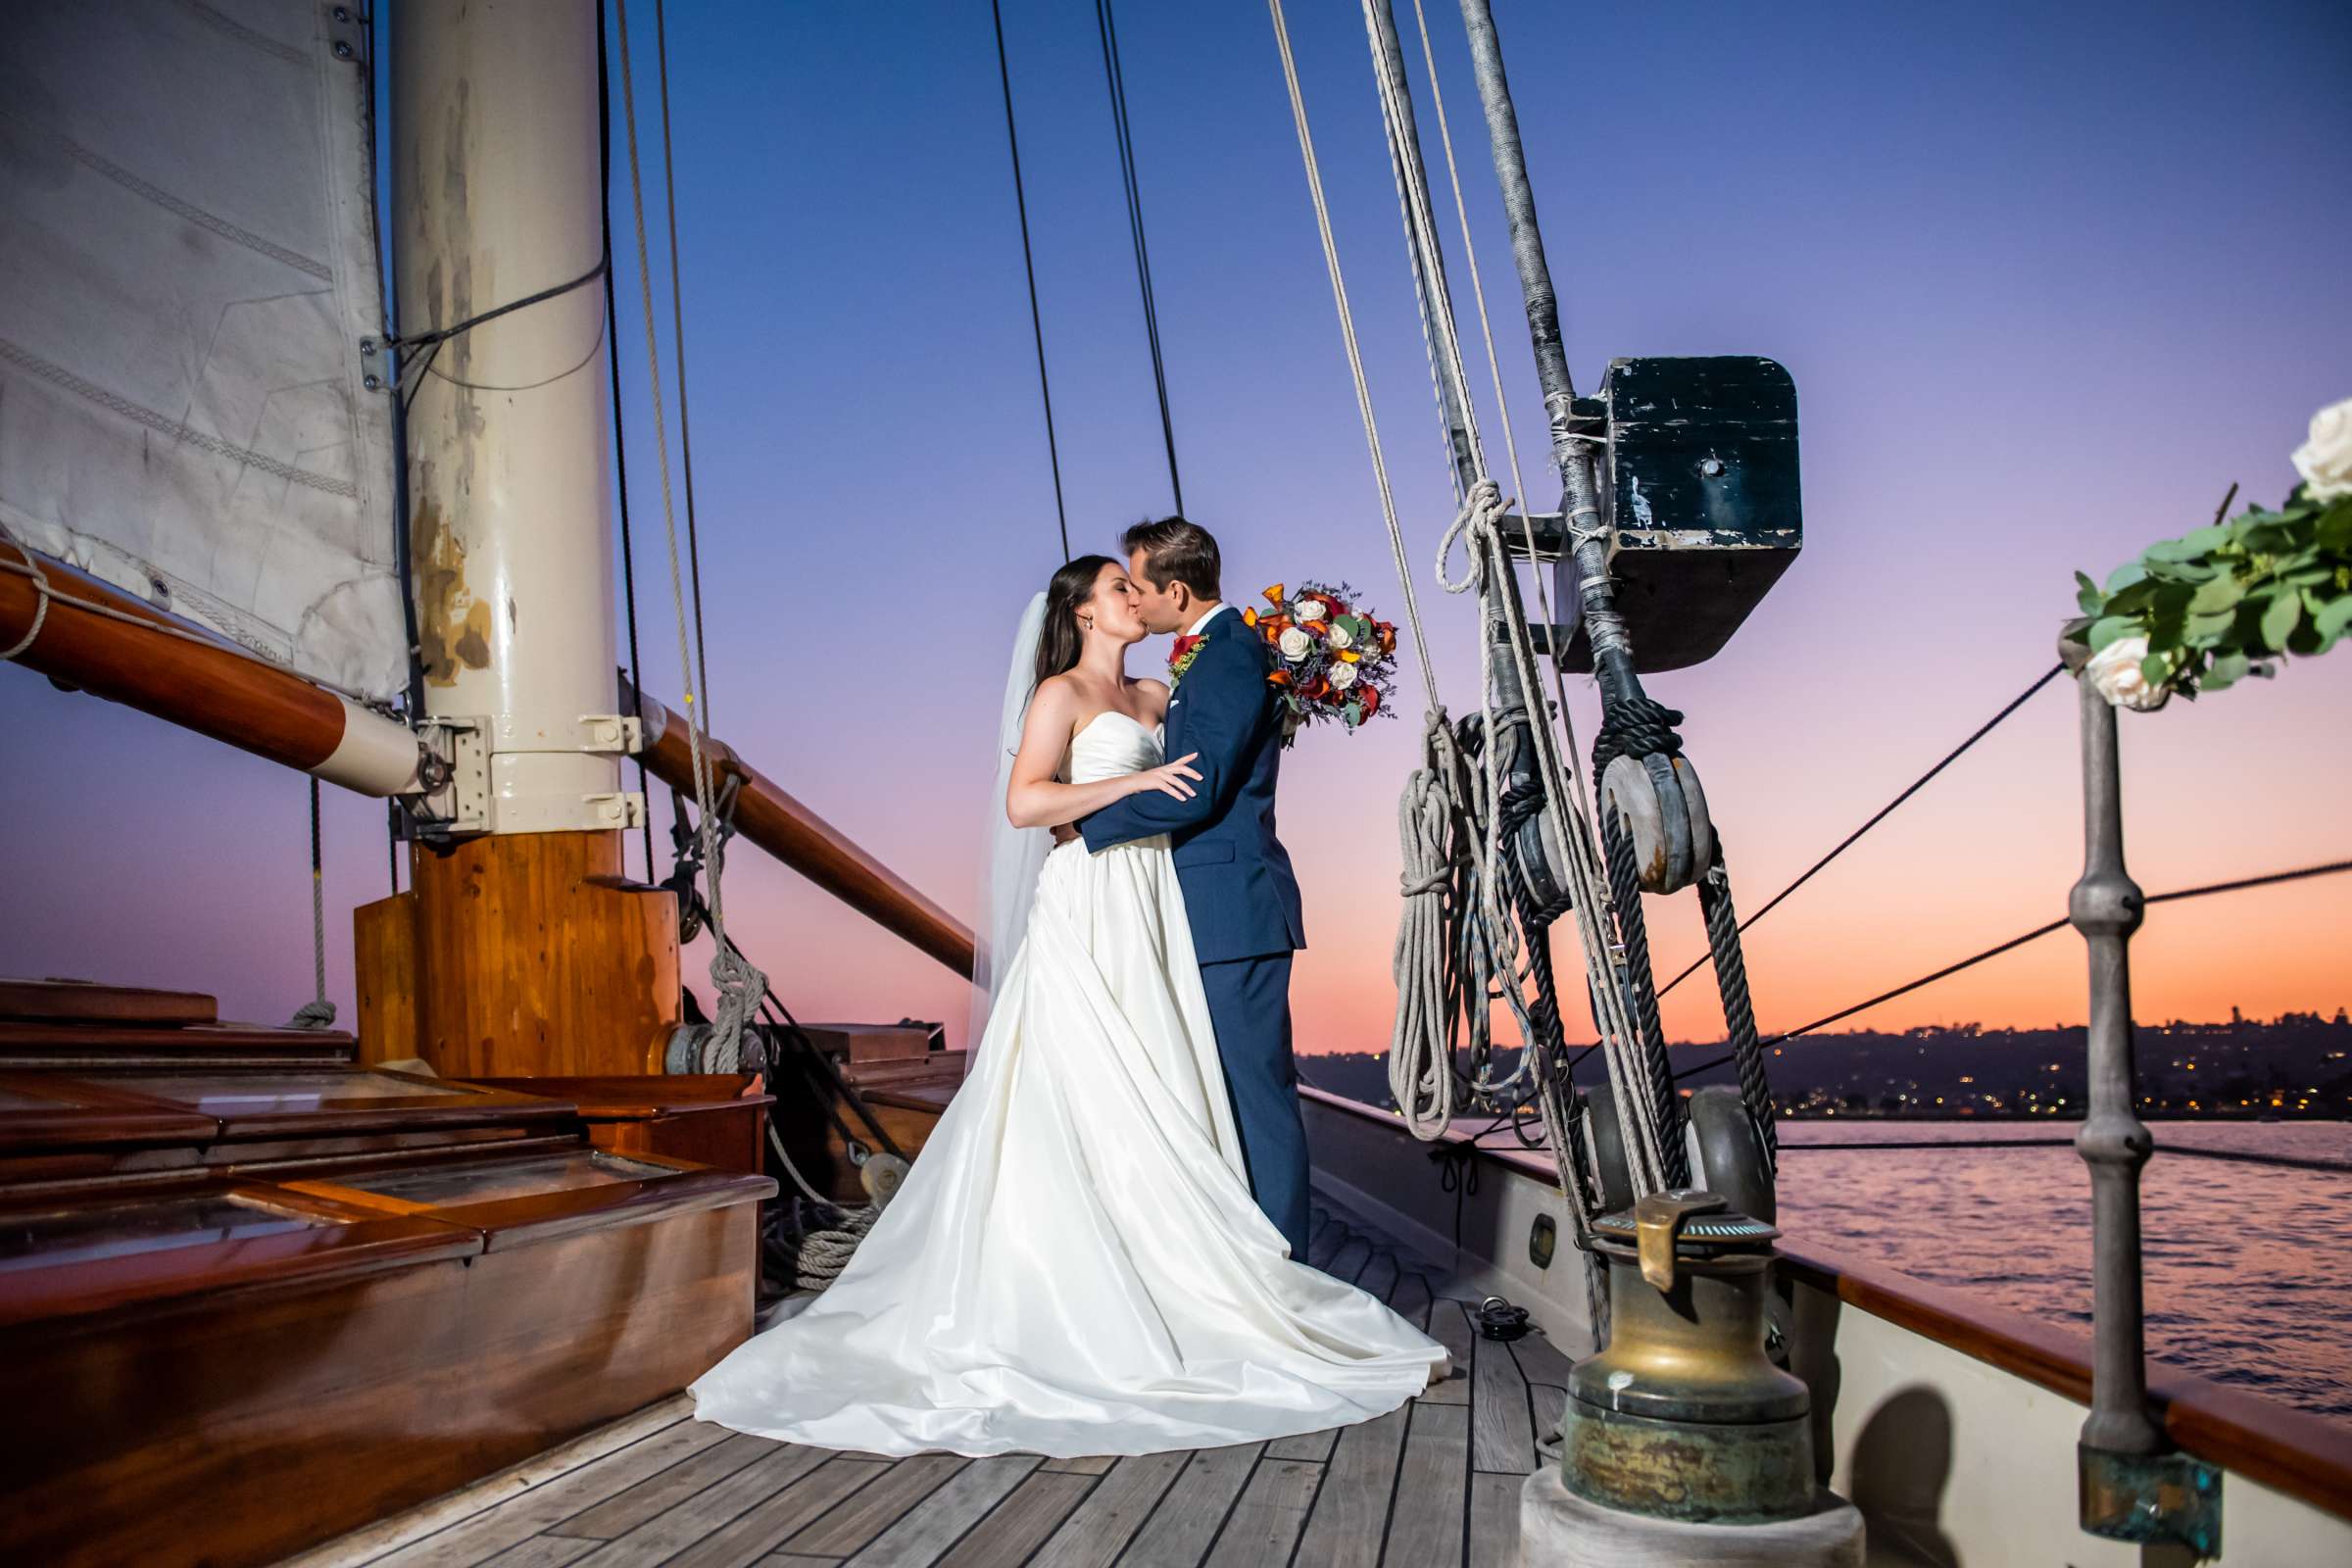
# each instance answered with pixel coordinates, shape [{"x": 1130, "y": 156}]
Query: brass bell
[{"x": 1682, "y": 1415}]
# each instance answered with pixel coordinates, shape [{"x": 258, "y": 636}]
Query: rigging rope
[
  {"x": 1490, "y": 572},
  {"x": 620, "y": 439},
  {"x": 1117, "y": 80},
  {"x": 1037, "y": 323},
  {"x": 738, "y": 983},
  {"x": 677, "y": 319}
]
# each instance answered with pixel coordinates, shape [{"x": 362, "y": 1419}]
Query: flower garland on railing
[{"x": 2203, "y": 611}]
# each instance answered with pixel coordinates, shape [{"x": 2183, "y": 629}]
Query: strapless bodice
[{"x": 1111, "y": 743}]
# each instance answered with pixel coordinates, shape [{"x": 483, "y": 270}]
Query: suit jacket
[{"x": 1237, "y": 887}]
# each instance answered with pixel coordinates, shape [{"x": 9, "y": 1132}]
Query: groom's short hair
[{"x": 1176, "y": 550}]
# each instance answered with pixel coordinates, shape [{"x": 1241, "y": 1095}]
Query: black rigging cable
[
  {"x": 1118, "y": 79},
  {"x": 1037, "y": 325},
  {"x": 2238, "y": 885},
  {"x": 1883, "y": 812},
  {"x": 620, "y": 444},
  {"x": 677, "y": 318}
]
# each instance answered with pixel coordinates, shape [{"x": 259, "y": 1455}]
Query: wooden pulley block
[{"x": 1673, "y": 836}]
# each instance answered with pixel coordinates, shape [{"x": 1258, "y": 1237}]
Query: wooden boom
[
  {"x": 208, "y": 687},
  {"x": 772, "y": 818}
]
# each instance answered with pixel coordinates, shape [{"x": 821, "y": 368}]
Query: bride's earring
[{"x": 1086, "y": 625}]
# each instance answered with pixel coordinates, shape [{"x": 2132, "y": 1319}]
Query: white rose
[
  {"x": 2325, "y": 460},
  {"x": 1340, "y": 637},
  {"x": 2114, "y": 672},
  {"x": 1313, "y": 610},
  {"x": 1295, "y": 644},
  {"x": 1342, "y": 676}
]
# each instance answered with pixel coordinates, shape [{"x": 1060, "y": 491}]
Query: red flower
[
  {"x": 1183, "y": 646},
  {"x": 1369, "y": 696}
]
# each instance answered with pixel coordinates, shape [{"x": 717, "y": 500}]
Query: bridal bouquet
[{"x": 1335, "y": 659}]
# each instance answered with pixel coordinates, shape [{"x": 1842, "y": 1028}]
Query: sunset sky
[{"x": 2049, "y": 278}]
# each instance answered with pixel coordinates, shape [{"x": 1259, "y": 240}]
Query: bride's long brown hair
[{"x": 1073, "y": 586}]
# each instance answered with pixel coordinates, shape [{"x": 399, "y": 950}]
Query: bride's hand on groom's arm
[{"x": 1178, "y": 780}]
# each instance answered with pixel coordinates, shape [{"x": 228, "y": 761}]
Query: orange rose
[{"x": 1274, "y": 594}]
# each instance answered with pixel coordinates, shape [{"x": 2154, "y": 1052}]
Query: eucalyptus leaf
[
  {"x": 2221, "y": 594},
  {"x": 2125, "y": 575},
  {"x": 2108, "y": 628},
  {"x": 2280, "y": 617},
  {"x": 2334, "y": 617},
  {"x": 2210, "y": 628},
  {"x": 2227, "y": 670}
]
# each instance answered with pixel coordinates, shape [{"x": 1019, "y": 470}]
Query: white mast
[{"x": 497, "y": 196}]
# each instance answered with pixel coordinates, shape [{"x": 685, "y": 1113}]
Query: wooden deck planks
[
  {"x": 1315, "y": 1446},
  {"x": 1020, "y": 1523},
  {"x": 1494, "y": 1520},
  {"x": 1350, "y": 1515},
  {"x": 481, "y": 1536},
  {"x": 1434, "y": 1485},
  {"x": 749, "y": 1535},
  {"x": 1266, "y": 1522},
  {"x": 1379, "y": 1278},
  {"x": 713, "y": 1512},
  {"x": 657, "y": 1493},
  {"x": 925, "y": 1535},
  {"x": 875, "y": 1508},
  {"x": 1099, "y": 1530},
  {"x": 1426, "y": 1528},
  {"x": 1450, "y": 1326},
  {"x": 1503, "y": 1432},
  {"x": 1180, "y": 1530}
]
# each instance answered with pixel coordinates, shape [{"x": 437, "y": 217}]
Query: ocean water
[{"x": 2249, "y": 1266}]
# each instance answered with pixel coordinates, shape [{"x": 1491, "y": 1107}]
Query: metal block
[{"x": 2153, "y": 1499}]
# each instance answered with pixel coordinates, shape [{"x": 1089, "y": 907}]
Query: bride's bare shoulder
[{"x": 1152, "y": 696}]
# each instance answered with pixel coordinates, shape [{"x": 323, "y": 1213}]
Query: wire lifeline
[
  {"x": 2238, "y": 885},
  {"x": 1116, "y": 78},
  {"x": 1883, "y": 812},
  {"x": 738, "y": 982},
  {"x": 1036, "y": 325}
]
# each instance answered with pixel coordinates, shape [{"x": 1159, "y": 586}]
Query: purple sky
[{"x": 2048, "y": 279}]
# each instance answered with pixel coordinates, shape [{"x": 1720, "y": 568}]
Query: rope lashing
[
  {"x": 42, "y": 593},
  {"x": 1635, "y": 727},
  {"x": 739, "y": 984}
]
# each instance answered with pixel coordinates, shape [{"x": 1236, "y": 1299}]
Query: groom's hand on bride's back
[{"x": 1063, "y": 832}]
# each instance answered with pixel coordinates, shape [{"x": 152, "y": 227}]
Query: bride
[{"x": 1075, "y": 1265}]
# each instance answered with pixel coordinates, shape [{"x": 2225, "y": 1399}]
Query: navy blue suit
[{"x": 1241, "y": 896}]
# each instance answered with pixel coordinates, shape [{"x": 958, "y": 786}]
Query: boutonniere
[{"x": 1181, "y": 657}]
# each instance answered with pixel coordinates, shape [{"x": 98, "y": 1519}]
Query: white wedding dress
[{"x": 1075, "y": 1265}]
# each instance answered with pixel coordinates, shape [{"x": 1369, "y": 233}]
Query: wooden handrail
[
  {"x": 769, "y": 817},
  {"x": 2301, "y": 1454}
]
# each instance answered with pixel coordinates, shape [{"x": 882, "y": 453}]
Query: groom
[{"x": 1237, "y": 880}]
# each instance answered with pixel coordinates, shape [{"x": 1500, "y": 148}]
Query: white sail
[{"x": 188, "y": 269}]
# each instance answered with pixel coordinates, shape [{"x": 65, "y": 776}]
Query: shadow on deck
[{"x": 1434, "y": 1483}]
